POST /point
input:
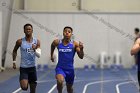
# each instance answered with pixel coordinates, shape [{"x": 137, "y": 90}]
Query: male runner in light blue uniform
[
  {"x": 66, "y": 49},
  {"x": 29, "y": 47}
]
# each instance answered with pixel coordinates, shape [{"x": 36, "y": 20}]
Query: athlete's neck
[
  {"x": 29, "y": 38},
  {"x": 65, "y": 41}
]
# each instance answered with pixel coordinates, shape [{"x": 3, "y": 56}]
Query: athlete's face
[
  {"x": 28, "y": 30},
  {"x": 67, "y": 33}
]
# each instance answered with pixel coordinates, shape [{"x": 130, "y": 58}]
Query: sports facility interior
[{"x": 105, "y": 27}]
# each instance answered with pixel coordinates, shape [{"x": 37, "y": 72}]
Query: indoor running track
[{"x": 86, "y": 81}]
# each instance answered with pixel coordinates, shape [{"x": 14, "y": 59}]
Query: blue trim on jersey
[
  {"x": 66, "y": 55},
  {"x": 27, "y": 53}
]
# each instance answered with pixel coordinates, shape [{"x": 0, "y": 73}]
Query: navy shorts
[
  {"x": 28, "y": 73},
  {"x": 67, "y": 73}
]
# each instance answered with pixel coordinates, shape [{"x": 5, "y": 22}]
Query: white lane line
[
  {"x": 19, "y": 89},
  {"x": 133, "y": 79},
  {"x": 50, "y": 91},
  {"x": 64, "y": 88},
  {"x": 88, "y": 84},
  {"x": 117, "y": 86}
]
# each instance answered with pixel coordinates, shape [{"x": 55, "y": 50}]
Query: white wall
[
  {"x": 51, "y": 5},
  {"x": 72, "y": 5},
  {"x": 98, "y": 32},
  {"x": 111, "y": 5},
  {"x": 6, "y": 7}
]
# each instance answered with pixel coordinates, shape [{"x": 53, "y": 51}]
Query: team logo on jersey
[
  {"x": 30, "y": 51},
  {"x": 65, "y": 50}
]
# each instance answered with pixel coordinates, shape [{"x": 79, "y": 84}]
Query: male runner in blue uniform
[
  {"x": 66, "y": 49},
  {"x": 136, "y": 51},
  {"x": 137, "y": 35},
  {"x": 29, "y": 49}
]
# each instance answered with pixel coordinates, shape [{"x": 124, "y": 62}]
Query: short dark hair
[
  {"x": 136, "y": 29},
  {"x": 27, "y": 25},
  {"x": 68, "y": 28}
]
